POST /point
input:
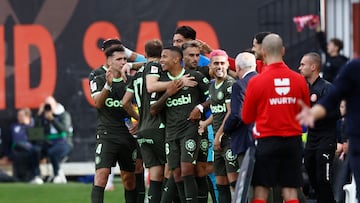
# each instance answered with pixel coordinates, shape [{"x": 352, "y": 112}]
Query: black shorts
[
  {"x": 278, "y": 162},
  {"x": 108, "y": 152},
  {"x": 225, "y": 161},
  {"x": 152, "y": 145},
  {"x": 203, "y": 148},
  {"x": 182, "y": 150}
]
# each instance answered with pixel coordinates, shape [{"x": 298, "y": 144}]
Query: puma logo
[
  {"x": 326, "y": 156},
  {"x": 191, "y": 154}
]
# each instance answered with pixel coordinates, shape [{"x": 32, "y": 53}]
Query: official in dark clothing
[
  {"x": 321, "y": 142},
  {"x": 240, "y": 133},
  {"x": 346, "y": 86}
]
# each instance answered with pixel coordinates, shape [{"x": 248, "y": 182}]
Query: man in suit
[{"x": 245, "y": 63}]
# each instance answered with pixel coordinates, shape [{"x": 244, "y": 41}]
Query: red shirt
[
  {"x": 260, "y": 66},
  {"x": 271, "y": 101}
]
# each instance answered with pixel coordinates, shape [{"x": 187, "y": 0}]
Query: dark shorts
[
  {"x": 152, "y": 145},
  {"x": 203, "y": 148},
  {"x": 108, "y": 152},
  {"x": 225, "y": 161},
  {"x": 182, "y": 150},
  {"x": 278, "y": 162}
]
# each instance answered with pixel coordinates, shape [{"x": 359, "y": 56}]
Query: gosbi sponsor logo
[
  {"x": 179, "y": 101},
  {"x": 282, "y": 88},
  {"x": 110, "y": 102},
  {"x": 218, "y": 108}
]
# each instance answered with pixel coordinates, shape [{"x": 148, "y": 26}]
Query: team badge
[
  {"x": 204, "y": 144},
  {"x": 134, "y": 155},
  {"x": 97, "y": 159},
  {"x": 167, "y": 148},
  {"x": 220, "y": 95},
  {"x": 154, "y": 69},
  {"x": 190, "y": 145},
  {"x": 282, "y": 86},
  {"x": 230, "y": 156},
  {"x": 313, "y": 97}
]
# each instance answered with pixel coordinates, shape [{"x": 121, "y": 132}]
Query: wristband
[
  {"x": 107, "y": 87},
  {"x": 200, "y": 107}
]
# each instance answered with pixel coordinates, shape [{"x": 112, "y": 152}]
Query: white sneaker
[
  {"x": 60, "y": 178},
  {"x": 37, "y": 180}
]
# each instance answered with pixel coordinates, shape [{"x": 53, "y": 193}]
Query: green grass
[{"x": 54, "y": 193}]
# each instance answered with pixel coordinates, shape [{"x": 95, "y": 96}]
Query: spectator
[
  {"x": 271, "y": 102},
  {"x": 321, "y": 139},
  {"x": 346, "y": 86},
  {"x": 26, "y": 155},
  {"x": 58, "y": 133},
  {"x": 333, "y": 60}
]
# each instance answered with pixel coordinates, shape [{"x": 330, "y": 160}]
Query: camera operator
[{"x": 58, "y": 132}]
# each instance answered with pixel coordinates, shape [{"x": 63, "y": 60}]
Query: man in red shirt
[{"x": 271, "y": 102}]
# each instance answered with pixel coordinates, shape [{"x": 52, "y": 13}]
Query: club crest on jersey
[
  {"x": 220, "y": 95},
  {"x": 282, "y": 86},
  {"x": 230, "y": 156},
  {"x": 190, "y": 145},
  {"x": 313, "y": 98}
]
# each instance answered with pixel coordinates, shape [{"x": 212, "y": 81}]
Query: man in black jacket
[{"x": 321, "y": 141}]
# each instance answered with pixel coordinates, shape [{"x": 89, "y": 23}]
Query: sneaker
[
  {"x": 60, "y": 179},
  {"x": 37, "y": 180}
]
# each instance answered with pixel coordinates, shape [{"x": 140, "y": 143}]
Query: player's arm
[
  {"x": 127, "y": 105},
  {"x": 204, "y": 124},
  {"x": 220, "y": 132},
  {"x": 171, "y": 89},
  {"x": 99, "y": 94}
]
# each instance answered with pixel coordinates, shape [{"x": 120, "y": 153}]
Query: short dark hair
[
  {"x": 175, "y": 49},
  {"x": 153, "y": 48},
  {"x": 109, "y": 42},
  {"x": 260, "y": 36},
  {"x": 109, "y": 52},
  {"x": 186, "y": 31},
  {"x": 338, "y": 43}
]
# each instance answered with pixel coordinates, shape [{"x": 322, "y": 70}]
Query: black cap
[{"x": 109, "y": 42}]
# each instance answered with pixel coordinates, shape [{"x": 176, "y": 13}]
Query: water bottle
[{"x": 129, "y": 125}]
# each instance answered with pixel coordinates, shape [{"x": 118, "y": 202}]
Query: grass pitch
[{"x": 54, "y": 193}]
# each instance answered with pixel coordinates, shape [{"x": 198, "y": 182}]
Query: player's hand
[
  {"x": 41, "y": 109},
  {"x": 305, "y": 117},
  {"x": 202, "y": 127},
  {"x": 195, "y": 114},
  {"x": 125, "y": 70},
  {"x": 174, "y": 87},
  {"x": 204, "y": 47},
  {"x": 217, "y": 141},
  {"x": 109, "y": 76},
  {"x": 134, "y": 128},
  {"x": 188, "y": 81}
]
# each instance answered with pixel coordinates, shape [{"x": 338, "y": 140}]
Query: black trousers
[{"x": 319, "y": 166}]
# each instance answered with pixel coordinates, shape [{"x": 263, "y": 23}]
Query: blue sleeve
[
  {"x": 203, "y": 61},
  {"x": 140, "y": 58}
]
